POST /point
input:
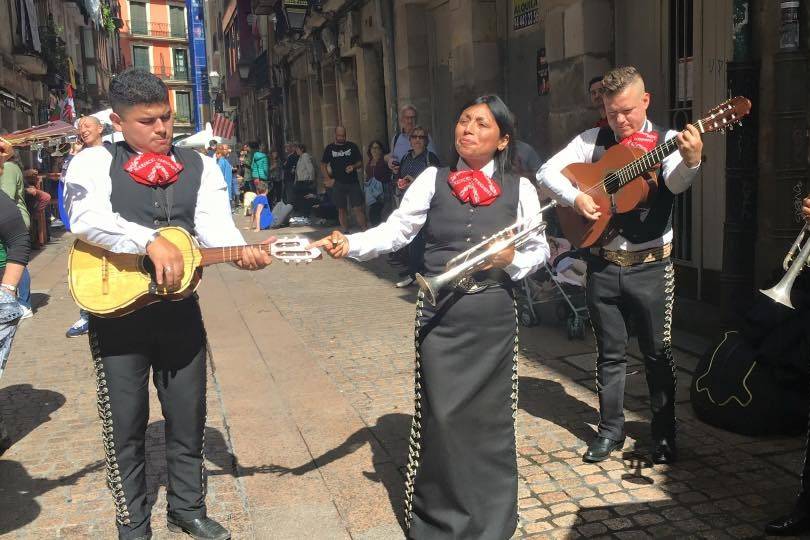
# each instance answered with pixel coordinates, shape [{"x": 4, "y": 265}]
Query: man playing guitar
[
  {"x": 631, "y": 277},
  {"x": 116, "y": 198}
]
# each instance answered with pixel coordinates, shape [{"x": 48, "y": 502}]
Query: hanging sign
[{"x": 525, "y": 13}]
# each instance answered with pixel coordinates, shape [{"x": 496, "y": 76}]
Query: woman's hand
[{"x": 336, "y": 245}]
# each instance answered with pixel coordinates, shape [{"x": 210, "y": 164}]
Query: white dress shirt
[
  {"x": 677, "y": 176},
  {"x": 87, "y": 202},
  {"x": 407, "y": 220}
]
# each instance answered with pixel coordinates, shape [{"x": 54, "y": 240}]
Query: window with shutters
[
  {"x": 182, "y": 107},
  {"x": 181, "y": 64},
  {"x": 177, "y": 19},
  {"x": 137, "y": 14},
  {"x": 140, "y": 57}
]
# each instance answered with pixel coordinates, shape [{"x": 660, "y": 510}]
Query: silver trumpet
[
  {"x": 796, "y": 259},
  {"x": 475, "y": 258}
]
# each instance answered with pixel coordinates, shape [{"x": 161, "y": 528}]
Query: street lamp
[{"x": 296, "y": 13}]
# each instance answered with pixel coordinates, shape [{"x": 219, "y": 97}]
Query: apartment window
[
  {"x": 182, "y": 107},
  {"x": 140, "y": 57},
  {"x": 177, "y": 18},
  {"x": 181, "y": 64},
  {"x": 137, "y": 14}
]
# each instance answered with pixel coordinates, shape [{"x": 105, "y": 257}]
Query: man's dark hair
[
  {"x": 254, "y": 145},
  {"x": 598, "y": 78},
  {"x": 136, "y": 86},
  {"x": 212, "y": 142},
  {"x": 302, "y": 147}
]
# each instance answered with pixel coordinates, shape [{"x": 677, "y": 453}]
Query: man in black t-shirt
[{"x": 340, "y": 163}]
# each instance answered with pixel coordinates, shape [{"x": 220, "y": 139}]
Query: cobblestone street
[{"x": 310, "y": 392}]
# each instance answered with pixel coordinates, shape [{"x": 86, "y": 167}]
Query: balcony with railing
[
  {"x": 140, "y": 27},
  {"x": 167, "y": 73}
]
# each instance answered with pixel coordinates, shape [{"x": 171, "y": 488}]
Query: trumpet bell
[
  {"x": 429, "y": 287},
  {"x": 780, "y": 293}
]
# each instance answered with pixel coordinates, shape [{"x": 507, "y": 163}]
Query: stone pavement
[{"x": 309, "y": 402}]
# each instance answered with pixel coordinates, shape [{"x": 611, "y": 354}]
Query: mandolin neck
[{"x": 227, "y": 254}]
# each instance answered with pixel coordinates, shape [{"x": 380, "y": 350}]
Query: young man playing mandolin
[
  {"x": 116, "y": 198},
  {"x": 631, "y": 275}
]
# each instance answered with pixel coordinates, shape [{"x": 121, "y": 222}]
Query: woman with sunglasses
[
  {"x": 418, "y": 158},
  {"x": 462, "y": 479}
]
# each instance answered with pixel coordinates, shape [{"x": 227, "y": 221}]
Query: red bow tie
[
  {"x": 154, "y": 170},
  {"x": 645, "y": 141},
  {"x": 474, "y": 187}
]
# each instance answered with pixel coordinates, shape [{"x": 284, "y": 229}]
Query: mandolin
[
  {"x": 621, "y": 181},
  {"x": 114, "y": 284}
]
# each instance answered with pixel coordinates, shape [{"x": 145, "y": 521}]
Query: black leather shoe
[
  {"x": 600, "y": 449},
  {"x": 793, "y": 524},
  {"x": 664, "y": 451},
  {"x": 203, "y": 528}
]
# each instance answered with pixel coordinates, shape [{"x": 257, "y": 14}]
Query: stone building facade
[{"x": 357, "y": 61}]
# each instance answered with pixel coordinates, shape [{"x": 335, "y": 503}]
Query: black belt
[{"x": 495, "y": 277}]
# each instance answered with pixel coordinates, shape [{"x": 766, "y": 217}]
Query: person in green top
[{"x": 11, "y": 183}]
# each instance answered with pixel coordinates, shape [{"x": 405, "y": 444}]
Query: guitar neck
[
  {"x": 227, "y": 254},
  {"x": 645, "y": 163}
]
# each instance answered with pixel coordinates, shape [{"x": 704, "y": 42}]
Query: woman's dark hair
[
  {"x": 254, "y": 145},
  {"x": 136, "y": 86},
  {"x": 506, "y": 125},
  {"x": 372, "y": 143}
]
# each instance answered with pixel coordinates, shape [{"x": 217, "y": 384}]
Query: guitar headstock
[
  {"x": 293, "y": 249},
  {"x": 725, "y": 116}
]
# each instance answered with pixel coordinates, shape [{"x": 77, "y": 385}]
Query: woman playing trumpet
[{"x": 462, "y": 472}]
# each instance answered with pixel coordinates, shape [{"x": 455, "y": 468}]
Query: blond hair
[{"x": 618, "y": 79}]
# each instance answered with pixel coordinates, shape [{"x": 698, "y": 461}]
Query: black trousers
[
  {"x": 642, "y": 293},
  {"x": 167, "y": 339}
]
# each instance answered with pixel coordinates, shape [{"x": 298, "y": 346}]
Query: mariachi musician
[
  {"x": 631, "y": 277},
  {"x": 462, "y": 479},
  {"x": 116, "y": 198}
]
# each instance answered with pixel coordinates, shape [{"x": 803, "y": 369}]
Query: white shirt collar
[{"x": 488, "y": 169}]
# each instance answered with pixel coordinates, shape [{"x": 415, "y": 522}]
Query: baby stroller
[{"x": 562, "y": 283}]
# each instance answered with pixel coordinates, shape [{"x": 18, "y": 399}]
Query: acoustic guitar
[
  {"x": 114, "y": 284},
  {"x": 623, "y": 179}
]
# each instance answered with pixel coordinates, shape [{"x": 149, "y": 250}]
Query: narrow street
[{"x": 310, "y": 392}]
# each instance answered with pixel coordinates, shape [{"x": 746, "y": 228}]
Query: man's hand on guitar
[
  {"x": 690, "y": 145},
  {"x": 336, "y": 244},
  {"x": 254, "y": 258},
  {"x": 168, "y": 262},
  {"x": 585, "y": 206},
  {"x": 806, "y": 208}
]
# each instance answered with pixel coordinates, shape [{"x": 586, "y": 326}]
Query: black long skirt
[{"x": 462, "y": 479}]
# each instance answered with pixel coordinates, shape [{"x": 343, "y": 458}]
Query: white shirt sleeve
[
  {"x": 402, "y": 225},
  {"x": 213, "y": 221},
  {"x": 535, "y": 251},
  {"x": 678, "y": 177},
  {"x": 87, "y": 202},
  {"x": 579, "y": 150}
]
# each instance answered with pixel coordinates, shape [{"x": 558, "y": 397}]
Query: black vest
[
  {"x": 643, "y": 224},
  {"x": 156, "y": 207},
  {"x": 453, "y": 227}
]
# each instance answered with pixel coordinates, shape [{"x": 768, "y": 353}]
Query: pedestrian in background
[
  {"x": 276, "y": 177},
  {"x": 12, "y": 184},
  {"x": 221, "y": 154},
  {"x": 341, "y": 161},
  {"x": 377, "y": 183},
  {"x": 290, "y": 163},
  {"x": 413, "y": 164},
  {"x": 247, "y": 167},
  {"x": 261, "y": 164},
  {"x": 304, "y": 177},
  {"x": 262, "y": 215}
]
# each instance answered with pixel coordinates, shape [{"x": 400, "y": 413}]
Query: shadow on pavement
[
  {"x": 19, "y": 491},
  {"x": 389, "y": 445},
  {"x": 27, "y": 407}
]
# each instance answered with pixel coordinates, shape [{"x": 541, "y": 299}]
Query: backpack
[{"x": 281, "y": 214}]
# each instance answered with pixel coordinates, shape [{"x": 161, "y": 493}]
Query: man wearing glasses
[{"x": 401, "y": 143}]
